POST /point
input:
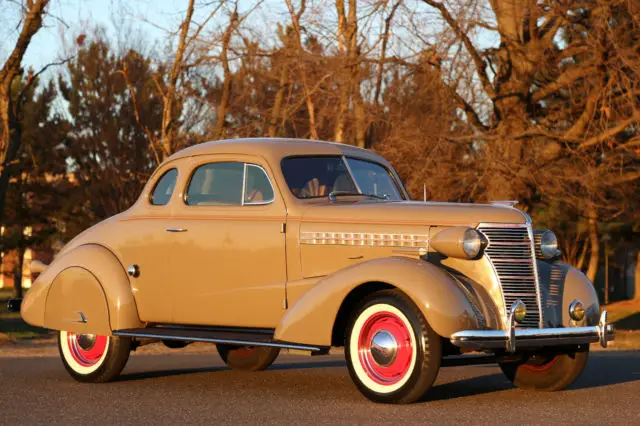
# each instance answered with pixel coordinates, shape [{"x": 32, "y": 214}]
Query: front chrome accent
[
  {"x": 511, "y": 253},
  {"x": 532, "y": 338},
  {"x": 364, "y": 239},
  {"x": 384, "y": 348},
  {"x": 576, "y": 310},
  {"x": 604, "y": 329},
  {"x": 519, "y": 311},
  {"x": 511, "y": 329}
]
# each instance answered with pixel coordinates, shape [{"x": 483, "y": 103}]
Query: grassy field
[{"x": 12, "y": 326}]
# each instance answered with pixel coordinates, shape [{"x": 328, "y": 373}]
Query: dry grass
[{"x": 625, "y": 314}]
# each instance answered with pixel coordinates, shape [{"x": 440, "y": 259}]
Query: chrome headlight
[
  {"x": 548, "y": 245},
  {"x": 471, "y": 242}
]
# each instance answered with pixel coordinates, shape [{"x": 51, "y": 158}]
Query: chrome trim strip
[
  {"x": 244, "y": 183},
  {"x": 535, "y": 272},
  {"x": 244, "y": 186},
  {"x": 369, "y": 239},
  {"x": 535, "y": 337},
  {"x": 272, "y": 344}
]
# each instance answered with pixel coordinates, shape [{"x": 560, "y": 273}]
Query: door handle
[{"x": 176, "y": 230}]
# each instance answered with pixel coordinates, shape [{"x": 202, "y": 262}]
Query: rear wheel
[
  {"x": 93, "y": 358},
  {"x": 392, "y": 353},
  {"x": 247, "y": 358},
  {"x": 546, "y": 372}
]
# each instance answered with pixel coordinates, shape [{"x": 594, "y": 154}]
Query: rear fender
[
  {"x": 436, "y": 293},
  {"x": 86, "y": 290}
]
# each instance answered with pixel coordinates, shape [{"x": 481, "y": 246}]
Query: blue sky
[{"x": 69, "y": 18}]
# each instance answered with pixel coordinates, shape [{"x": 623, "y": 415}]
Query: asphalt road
[{"x": 197, "y": 389}]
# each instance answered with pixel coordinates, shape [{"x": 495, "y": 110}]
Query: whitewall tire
[
  {"x": 93, "y": 358},
  {"x": 392, "y": 353}
]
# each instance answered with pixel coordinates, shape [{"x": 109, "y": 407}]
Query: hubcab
[
  {"x": 86, "y": 341},
  {"x": 384, "y": 348}
]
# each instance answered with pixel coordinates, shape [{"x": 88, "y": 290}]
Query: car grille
[{"x": 510, "y": 251}]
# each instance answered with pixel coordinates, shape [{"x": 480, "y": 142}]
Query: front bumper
[{"x": 532, "y": 338}]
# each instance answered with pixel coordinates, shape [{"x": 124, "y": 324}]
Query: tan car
[{"x": 259, "y": 245}]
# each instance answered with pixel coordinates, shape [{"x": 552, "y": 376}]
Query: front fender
[
  {"x": 87, "y": 279},
  {"x": 447, "y": 310},
  {"x": 562, "y": 284}
]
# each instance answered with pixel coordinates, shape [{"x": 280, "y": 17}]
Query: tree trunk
[
  {"x": 223, "y": 106},
  {"x": 17, "y": 273},
  {"x": 343, "y": 78},
  {"x": 636, "y": 278},
  {"x": 11, "y": 132},
  {"x": 277, "y": 106},
  {"x": 594, "y": 242}
]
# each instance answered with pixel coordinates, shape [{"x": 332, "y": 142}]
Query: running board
[{"x": 215, "y": 335}]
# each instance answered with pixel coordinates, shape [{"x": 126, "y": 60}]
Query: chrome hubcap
[
  {"x": 86, "y": 341},
  {"x": 384, "y": 348}
]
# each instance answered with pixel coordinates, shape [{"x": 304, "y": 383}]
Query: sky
[{"x": 69, "y": 18}]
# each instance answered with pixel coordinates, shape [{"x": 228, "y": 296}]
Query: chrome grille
[{"x": 510, "y": 251}]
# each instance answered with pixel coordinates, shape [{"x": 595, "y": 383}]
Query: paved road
[{"x": 197, "y": 389}]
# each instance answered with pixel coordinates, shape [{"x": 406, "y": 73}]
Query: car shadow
[
  {"x": 603, "y": 369},
  {"x": 181, "y": 371},
  {"x": 166, "y": 373}
]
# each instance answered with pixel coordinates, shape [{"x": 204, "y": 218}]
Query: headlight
[
  {"x": 460, "y": 242},
  {"x": 471, "y": 242},
  {"x": 548, "y": 245}
]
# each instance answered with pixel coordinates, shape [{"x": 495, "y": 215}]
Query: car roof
[{"x": 275, "y": 148}]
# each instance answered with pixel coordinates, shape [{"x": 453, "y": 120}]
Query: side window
[
  {"x": 216, "y": 184},
  {"x": 164, "y": 188},
  {"x": 258, "y": 189}
]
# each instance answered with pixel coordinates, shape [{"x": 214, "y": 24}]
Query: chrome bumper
[{"x": 531, "y": 338}]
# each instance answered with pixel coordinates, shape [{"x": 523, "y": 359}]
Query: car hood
[{"x": 412, "y": 213}]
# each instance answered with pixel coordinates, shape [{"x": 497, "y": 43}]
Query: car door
[
  {"x": 229, "y": 260},
  {"x": 145, "y": 243}
]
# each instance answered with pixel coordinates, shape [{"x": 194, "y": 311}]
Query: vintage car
[{"x": 259, "y": 245}]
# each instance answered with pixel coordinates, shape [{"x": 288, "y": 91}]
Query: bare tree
[{"x": 11, "y": 134}]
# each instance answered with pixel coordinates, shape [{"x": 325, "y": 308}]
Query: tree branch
[{"x": 475, "y": 55}]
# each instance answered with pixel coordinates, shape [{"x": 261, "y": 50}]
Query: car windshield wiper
[{"x": 334, "y": 194}]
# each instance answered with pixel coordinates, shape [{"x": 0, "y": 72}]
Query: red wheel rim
[
  {"x": 244, "y": 351},
  {"x": 86, "y": 349},
  {"x": 385, "y": 325},
  {"x": 544, "y": 366}
]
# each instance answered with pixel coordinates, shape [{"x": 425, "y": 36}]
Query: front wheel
[
  {"x": 93, "y": 358},
  {"x": 392, "y": 353},
  {"x": 546, "y": 372}
]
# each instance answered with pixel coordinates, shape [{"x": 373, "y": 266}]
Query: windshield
[{"x": 320, "y": 176}]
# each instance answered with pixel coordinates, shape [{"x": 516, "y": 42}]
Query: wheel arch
[
  {"x": 88, "y": 279},
  {"x": 317, "y": 316},
  {"x": 348, "y": 305}
]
